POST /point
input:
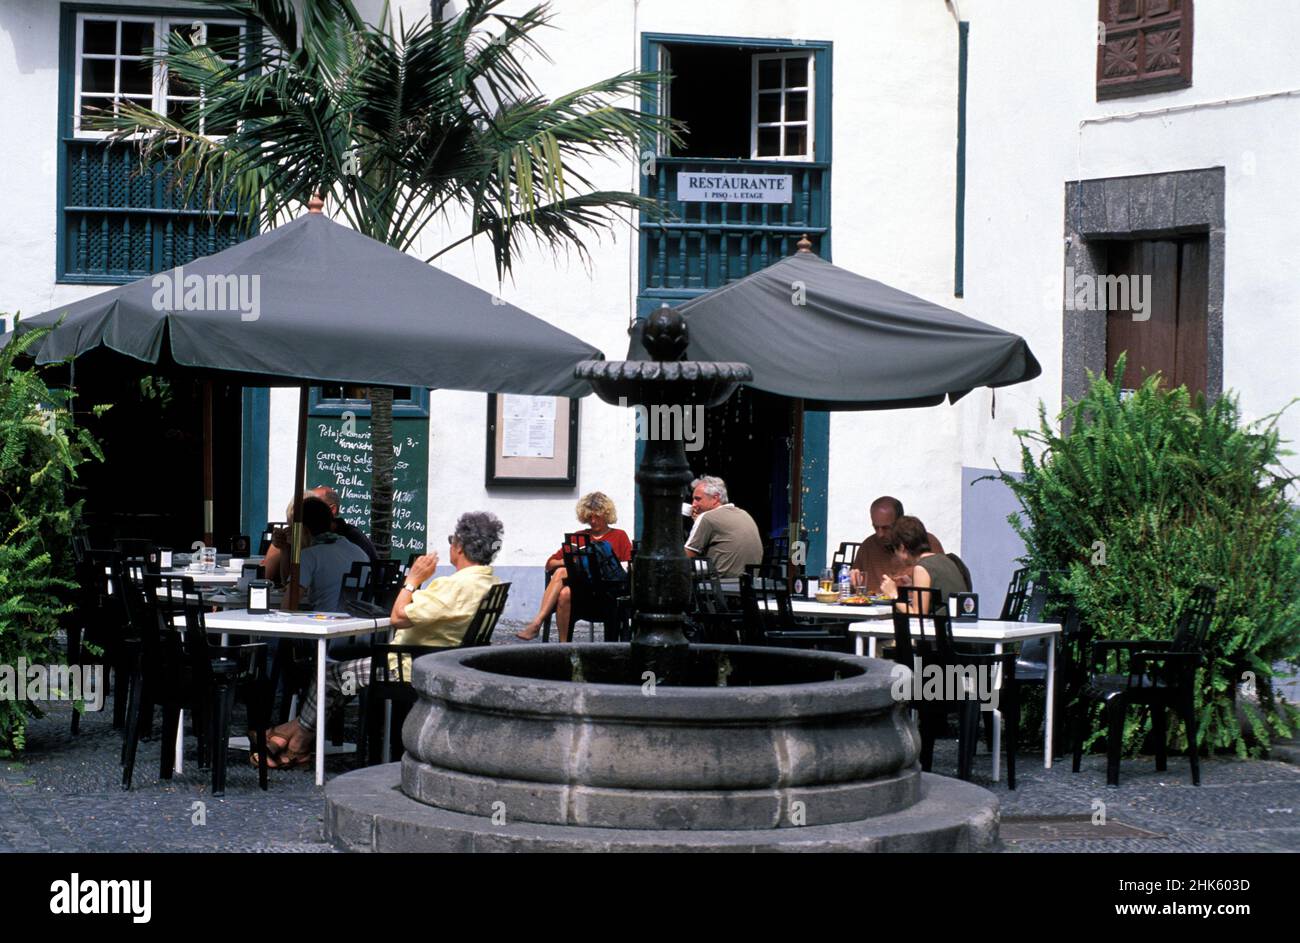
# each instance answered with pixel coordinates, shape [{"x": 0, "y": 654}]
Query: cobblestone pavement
[{"x": 65, "y": 795}]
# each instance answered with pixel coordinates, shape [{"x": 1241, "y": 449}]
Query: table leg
[
  {"x": 871, "y": 646},
  {"x": 858, "y": 647},
  {"x": 179, "y": 765},
  {"x": 1050, "y": 720},
  {"x": 997, "y": 717},
  {"x": 320, "y": 712}
]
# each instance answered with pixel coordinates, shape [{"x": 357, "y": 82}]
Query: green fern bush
[
  {"x": 1146, "y": 497},
  {"x": 40, "y": 450}
]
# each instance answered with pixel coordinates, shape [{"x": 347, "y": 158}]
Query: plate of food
[{"x": 864, "y": 600}]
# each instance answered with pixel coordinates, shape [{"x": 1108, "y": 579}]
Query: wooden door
[{"x": 1160, "y": 318}]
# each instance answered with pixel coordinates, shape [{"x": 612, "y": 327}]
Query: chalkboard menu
[{"x": 339, "y": 455}]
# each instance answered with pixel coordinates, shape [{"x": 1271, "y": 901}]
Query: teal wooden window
[
  {"x": 337, "y": 398},
  {"x": 752, "y": 106},
  {"x": 119, "y": 221}
]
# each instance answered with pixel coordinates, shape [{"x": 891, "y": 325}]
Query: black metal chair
[
  {"x": 264, "y": 542},
  {"x": 847, "y": 553},
  {"x": 1017, "y": 594},
  {"x": 101, "y": 622},
  {"x": 390, "y": 681},
  {"x": 578, "y": 540},
  {"x": 931, "y": 651},
  {"x": 1155, "y": 673},
  {"x": 777, "y": 551},
  {"x": 716, "y": 622},
  {"x": 213, "y": 677},
  {"x": 768, "y": 617}
]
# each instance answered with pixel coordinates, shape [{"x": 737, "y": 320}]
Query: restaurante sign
[{"x": 733, "y": 188}]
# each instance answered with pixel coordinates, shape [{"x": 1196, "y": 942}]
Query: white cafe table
[
  {"x": 830, "y": 610},
  {"x": 220, "y": 577},
  {"x": 320, "y": 626},
  {"x": 988, "y": 632}
]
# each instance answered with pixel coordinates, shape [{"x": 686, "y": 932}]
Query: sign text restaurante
[{"x": 733, "y": 188}]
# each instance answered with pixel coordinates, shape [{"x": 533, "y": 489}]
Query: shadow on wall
[{"x": 988, "y": 544}]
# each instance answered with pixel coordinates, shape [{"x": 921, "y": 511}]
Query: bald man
[{"x": 875, "y": 560}]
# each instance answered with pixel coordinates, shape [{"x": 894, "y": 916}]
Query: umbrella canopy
[
  {"x": 316, "y": 301},
  {"x": 837, "y": 340}
]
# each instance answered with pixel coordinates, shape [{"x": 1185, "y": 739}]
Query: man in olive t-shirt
[{"x": 724, "y": 533}]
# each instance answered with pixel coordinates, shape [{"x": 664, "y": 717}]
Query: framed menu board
[{"x": 532, "y": 441}]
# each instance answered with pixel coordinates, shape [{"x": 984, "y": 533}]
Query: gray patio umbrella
[
  {"x": 316, "y": 302},
  {"x": 836, "y": 340},
  {"x": 813, "y": 331}
]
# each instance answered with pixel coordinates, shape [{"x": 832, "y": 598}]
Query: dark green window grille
[{"x": 119, "y": 220}]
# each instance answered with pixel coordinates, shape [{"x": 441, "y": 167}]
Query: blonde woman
[{"x": 597, "y": 511}]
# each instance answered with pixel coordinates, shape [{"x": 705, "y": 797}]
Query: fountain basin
[{"x": 565, "y": 746}]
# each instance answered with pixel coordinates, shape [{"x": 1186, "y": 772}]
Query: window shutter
[{"x": 1146, "y": 47}]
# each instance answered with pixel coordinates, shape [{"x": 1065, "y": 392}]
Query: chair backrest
[
  {"x": 707, "y": 588},
  {"x": 134, "y": 548},
  {"x": 486, "y": 618},
  {"x": 1194, "y": 620},
  {"x": 267, "y": 532},
  {"x": 931, "y": 626},
  {"x": 1013, "y": 604},
  {"x": 355, "y": 580},
  {"x": 847, "y": 553},
  {"x": 384, "y": 583},
  {"x": 765, "y": 597},
  {"x": 777, "y": 551},
  {"x": 963, "y": 569}
]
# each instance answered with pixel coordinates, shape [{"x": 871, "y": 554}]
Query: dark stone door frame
[{"x": 1147, "y": 206}]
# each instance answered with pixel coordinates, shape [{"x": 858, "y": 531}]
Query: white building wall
[{"x": 1031, "y": 82}]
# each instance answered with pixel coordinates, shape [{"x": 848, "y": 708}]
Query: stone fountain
[{"x": 657, "y": 745}]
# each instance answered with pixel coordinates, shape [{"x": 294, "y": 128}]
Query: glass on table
[{"x": 827, "y": 584}]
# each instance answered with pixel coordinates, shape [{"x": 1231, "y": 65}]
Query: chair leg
[
  {"x": 1159, "y": 730},
  {"x": 1080, "y": 730},
  {"x": 1115, "y": 709},
  {"x": 171, "y": 723},
  {"x": 74, "y": 658},
  {"x": 1193, "y": 749},
  {"x": 219, "y": 739},
  {"x": 969, "y": 720},
  {"x": 927, "y": 738},
  {"x": 131, "y": 736},
  {"x": 1010, "y": 703},
  {"x": 121, "y": 671},
  {"x": 259, "y": 709}
]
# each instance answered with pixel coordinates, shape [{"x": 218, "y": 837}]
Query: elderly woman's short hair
[
  {"x": 596, "y": 503},
  {"x": 479, "y": 535},
  {"x": 712, "y": 485}
]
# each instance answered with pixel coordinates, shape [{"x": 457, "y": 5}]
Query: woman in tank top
[{"x": 937, "y": 570}]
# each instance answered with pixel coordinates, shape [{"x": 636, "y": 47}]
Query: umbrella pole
[
  {"x": 208, "y": 527},
  {"x": 299, "y": 477},
  {"x": 796, "y": 482}
]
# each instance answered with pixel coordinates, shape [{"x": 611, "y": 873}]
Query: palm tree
[{"x": 396, "y": 126}]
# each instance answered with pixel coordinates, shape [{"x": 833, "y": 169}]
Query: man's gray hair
[
  {"x": 712, "y": 485},
  {"x": 479, "y": 535}
]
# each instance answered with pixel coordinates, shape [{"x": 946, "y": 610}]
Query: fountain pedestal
[{"x": 657, "y": 745}]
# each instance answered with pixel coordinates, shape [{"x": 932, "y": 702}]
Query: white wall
[
  {"x": 1032, "y": 70},
  {"x": 1032, "y": 81}
]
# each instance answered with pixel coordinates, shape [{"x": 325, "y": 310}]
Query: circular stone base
[{"x": 366, "y": 810}]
